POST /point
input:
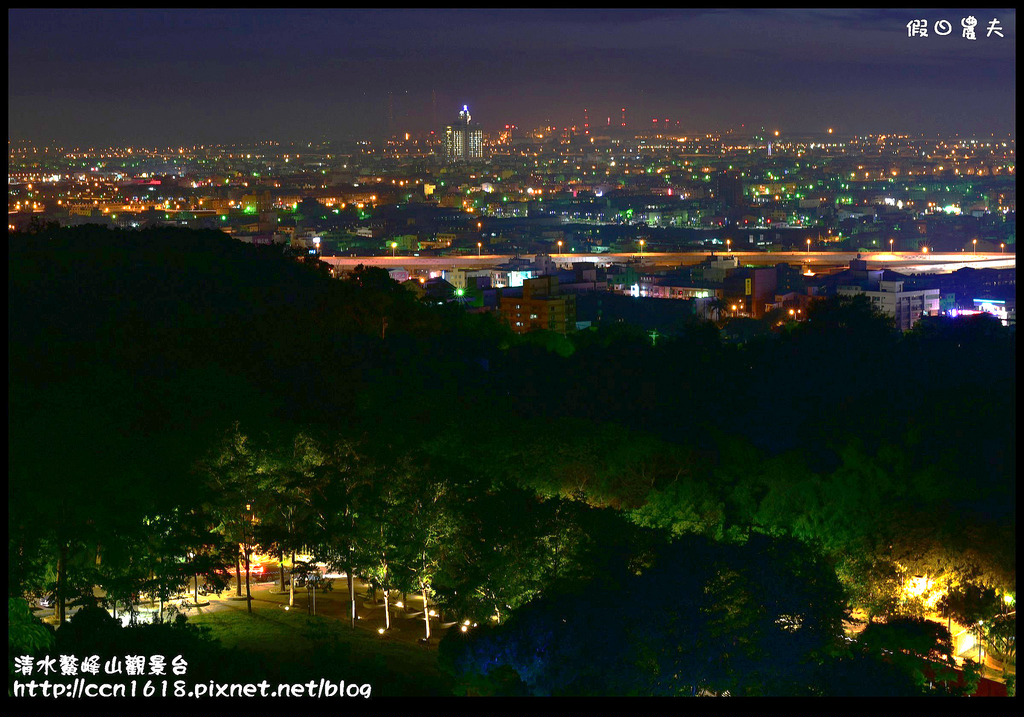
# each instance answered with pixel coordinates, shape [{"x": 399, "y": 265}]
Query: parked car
[{"x": 311, "y": 580}]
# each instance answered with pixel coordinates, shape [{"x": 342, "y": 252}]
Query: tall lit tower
[
  {"x": 463, "y": 140},
  {"x": 623, "y": 118},
  {"x": 586, "y": 121}
]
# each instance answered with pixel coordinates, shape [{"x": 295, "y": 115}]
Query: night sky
[{"x": 169, "y": 77}]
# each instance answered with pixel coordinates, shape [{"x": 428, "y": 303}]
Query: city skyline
[{"x": 111, "y": 77}]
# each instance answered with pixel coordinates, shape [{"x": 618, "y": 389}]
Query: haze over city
[{"x": 166, "y": 77}]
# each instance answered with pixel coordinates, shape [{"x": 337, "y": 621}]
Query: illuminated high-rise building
[{"x": 463, "y": 140}]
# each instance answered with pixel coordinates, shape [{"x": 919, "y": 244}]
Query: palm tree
[{"x": 716, "y": 306}]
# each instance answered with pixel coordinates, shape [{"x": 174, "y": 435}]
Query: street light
[
  {"x": 975, "y": 242},
  {"x": 890, "y": 244},
  {"x": 1002, "y": 247},
  {"x": 808, "y": 245},
  {"x": 479, "y": 248},
  {"x": 394, "y": 247},
  {"x": 924, "y": 249},
  {"x": 559, "y": 247},
  {"x": 641, "y": 250},
  {"x": 728, "y": 244}
]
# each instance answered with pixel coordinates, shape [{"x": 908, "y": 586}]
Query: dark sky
[{"x": 193, "y": 76}]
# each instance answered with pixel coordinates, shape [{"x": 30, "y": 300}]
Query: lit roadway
[{"x": 908, "y": 262}]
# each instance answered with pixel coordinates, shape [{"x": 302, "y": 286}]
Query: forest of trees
[{"x": 163, "y": 380}]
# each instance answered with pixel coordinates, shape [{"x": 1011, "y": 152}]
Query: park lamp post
[
  {"x": 394, "y": 247},
  {"x": 479, "y": 248},
  {"x": 808, "y": 246},
  {"x": 559, "y": 247},
  {"x": 890, "y": 244},
  {"x": 975, "y": 243}
]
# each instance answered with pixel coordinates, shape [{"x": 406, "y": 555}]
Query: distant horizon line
[{"x": 424, "y": 134}]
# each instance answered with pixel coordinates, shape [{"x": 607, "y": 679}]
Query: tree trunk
[
  {"x": 353, "y": 616},
  {"x": 387, "y": 613},
  {"x": 238, "y": 573},
  {"x": 62, "y": 568},
  {"x": 426, "y": 613},
  {"x": 248, "y": 594},
  {"x": 195, "y": 586},
  {"x": 280, "y": 564},
  {"x": 291, "y": 582}
]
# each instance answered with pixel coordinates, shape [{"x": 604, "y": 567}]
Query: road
[{"x": 904, "y": 262}]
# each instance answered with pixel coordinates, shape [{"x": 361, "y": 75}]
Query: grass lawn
[{"x": 294, "y": 646}]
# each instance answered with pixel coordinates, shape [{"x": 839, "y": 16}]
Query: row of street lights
[{"x": 728, "y": 245}]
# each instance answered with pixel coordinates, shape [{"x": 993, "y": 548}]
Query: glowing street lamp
[
  {"x": 728, "y": 244},
  {"x": 1002, "y": 247},
  {"x": 890, "y": 244},
  {"x": 808, "y": 245},
  {"x": 479, "y": 248},
  {"x": 975, "y": 243},
  {"x": 924, "y": 249},
  {"x": 641, "y": 249},
  {"x": 559, "y": 247},
  {"x": 394, "y": 247}
]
